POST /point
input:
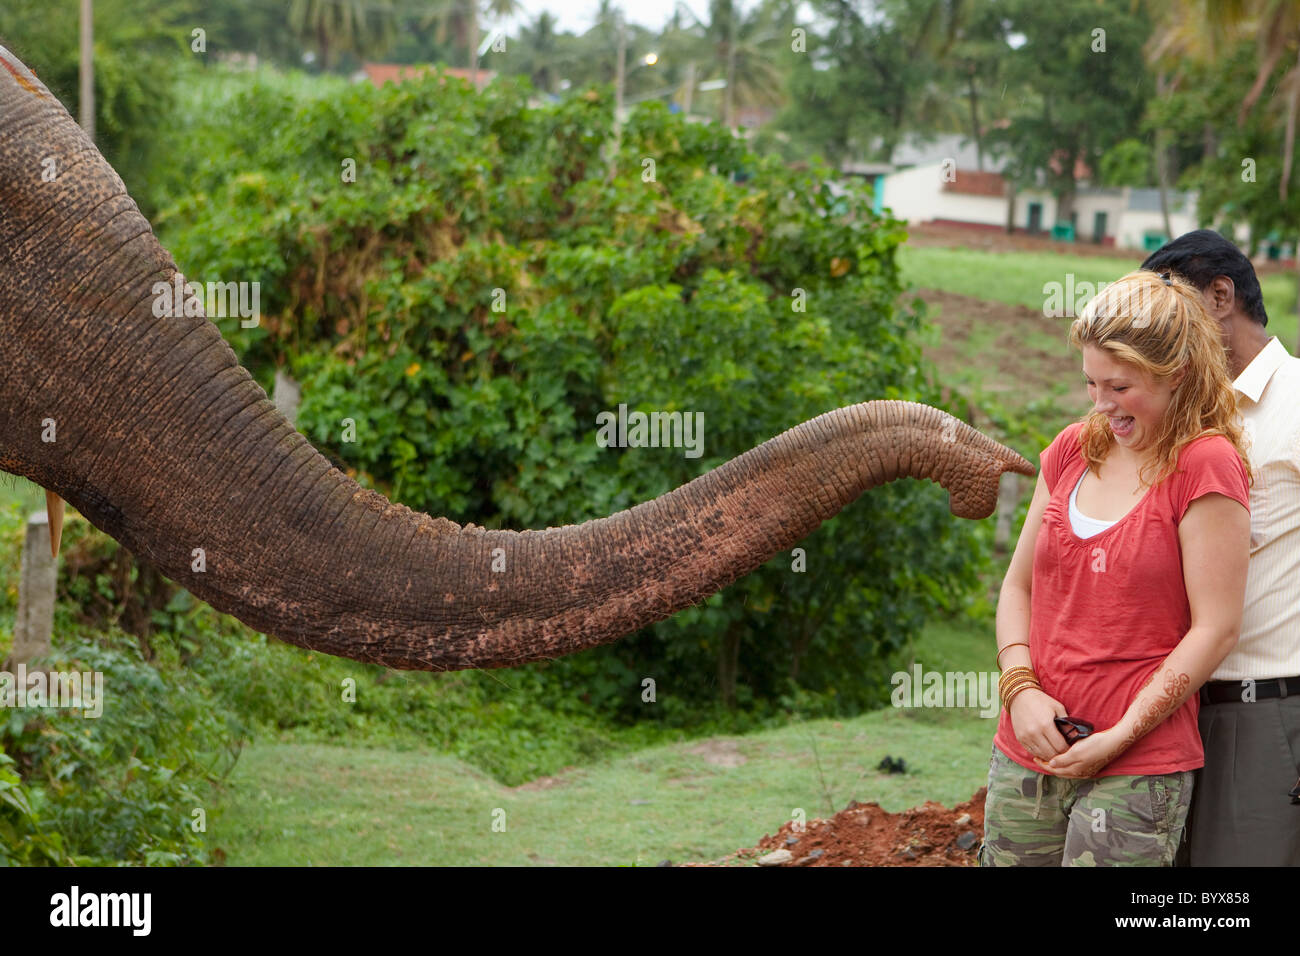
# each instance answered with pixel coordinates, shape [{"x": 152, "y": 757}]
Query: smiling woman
[
  {"x": 1124, "y": 593},
  {"x": 1143, "y": 335}
]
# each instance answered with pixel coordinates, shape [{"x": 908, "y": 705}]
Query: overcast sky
[{"x": 578, "y": 16}]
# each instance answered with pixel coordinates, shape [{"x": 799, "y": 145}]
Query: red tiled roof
[{"x": 970, "y": 182}]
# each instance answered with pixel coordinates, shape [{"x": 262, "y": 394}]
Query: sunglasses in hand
[{"x": 1072, "y": 730}]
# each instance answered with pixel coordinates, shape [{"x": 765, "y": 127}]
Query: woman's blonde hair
[{"x": 1159, "y": 325}]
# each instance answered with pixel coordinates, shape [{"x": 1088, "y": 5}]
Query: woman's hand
[
  {"x": 1087, "y": 757},
  {"x": 1032, "y": 713}
]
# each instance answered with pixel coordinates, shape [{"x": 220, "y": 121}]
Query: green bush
[
  {"x": 23, "y": 840},
  {"x": 121, "y": 787}
]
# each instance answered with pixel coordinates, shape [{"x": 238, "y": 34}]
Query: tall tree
[
  {"x": 592, "y": 58},
  {"x": 745, "y": 47},
  {"x": 974, "y": 60},
  {"x": 1201, "y": 31},
  {"x": 462, "y": 21},
  {"x": 684, "y": 48},
  {"x": 538, "y": 53},
  {"x": 365, "y": 28},
  {"x": 1235, "y": 167},
  {"x": 1083, "y": 86},
  {"x": 873, "y": 74}
]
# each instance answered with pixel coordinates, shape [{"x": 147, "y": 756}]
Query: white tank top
[{"x": 1084, "y": 526}]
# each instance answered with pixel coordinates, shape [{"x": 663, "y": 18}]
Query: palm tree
[
  {"x": 681, "y": 44},
  {"x": 363, "y": 27},
  {"x": 743, "y": 47},
  {"x": 460, "y": 19},
  {"x": 596, "y": 51},
  {"x": 1193, "y": 30},
  {"x": 540, "y": 52}
]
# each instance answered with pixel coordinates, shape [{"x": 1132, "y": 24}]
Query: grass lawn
[
  {"x": 293, "y": 803},
  {"x": 1018, "y": 279}
]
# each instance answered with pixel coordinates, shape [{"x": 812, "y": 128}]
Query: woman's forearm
[
  {"x": 1181, "y": 674},
  {"x": 1013, "y": 599},
  {"x": 1013, "y": 626}
]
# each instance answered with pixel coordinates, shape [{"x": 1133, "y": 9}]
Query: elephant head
[{"x": 163, "y": 441}]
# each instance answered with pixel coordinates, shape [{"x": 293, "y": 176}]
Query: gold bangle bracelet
[
  {"x": 1013, "y": 691},
  {"x": 1018, "y": 669},
  {"x": 1008, "y": 688},
  {"x": 1006, "y": 701},
  {"x": 1017, "y": 679},
  {"x": 1014, "y": 674},
  {"x": 1003, "y": 650}
]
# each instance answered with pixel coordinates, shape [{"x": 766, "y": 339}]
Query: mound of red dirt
[{"x": 862, "y": 834}]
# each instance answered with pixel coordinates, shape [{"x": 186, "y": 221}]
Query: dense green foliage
[
  {"x": 119, "y": 785},
  {"x": 1081, "y": 67},
  {"x": 1235, "y": 167},
  {"x": 495, "y": 278},
  {"x": 140, "y": 47},
  {"x": 1163, "y": 96}
]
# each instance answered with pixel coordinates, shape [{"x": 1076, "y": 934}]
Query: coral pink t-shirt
[{"x": 1105, "y": 611}]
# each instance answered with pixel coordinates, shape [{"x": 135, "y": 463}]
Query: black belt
[{"x": 1238, "y": 691}]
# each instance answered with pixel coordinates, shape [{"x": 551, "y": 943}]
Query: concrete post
[
  {"x": 36, "y": 587},
  {"x": 1008, "y": 504},
  {"x": 286, "y": 396}
]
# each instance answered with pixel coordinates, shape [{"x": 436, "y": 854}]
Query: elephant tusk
[{"x": 54, "y": 510}]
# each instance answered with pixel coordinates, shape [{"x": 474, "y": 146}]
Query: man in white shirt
[{"x": 1246, "y": 801}]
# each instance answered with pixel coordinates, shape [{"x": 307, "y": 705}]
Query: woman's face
[{"x": 1133, "y": 402}]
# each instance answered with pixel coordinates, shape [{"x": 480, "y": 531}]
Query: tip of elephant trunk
[{"x": 978, "y": 494}]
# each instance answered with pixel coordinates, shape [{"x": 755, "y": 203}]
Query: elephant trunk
[{"x": 152, "y": 430}]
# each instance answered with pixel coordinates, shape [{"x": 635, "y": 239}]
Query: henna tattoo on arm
[
  {"x": 1174, "y": 690},
  {"x": 1173, "y": 693}
]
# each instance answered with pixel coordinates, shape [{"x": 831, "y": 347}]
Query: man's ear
[{"x": 1221, "y": 294}]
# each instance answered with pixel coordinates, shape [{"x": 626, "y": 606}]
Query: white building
[{"x": 939, "y": 182}]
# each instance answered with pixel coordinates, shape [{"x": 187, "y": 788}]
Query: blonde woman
[{"x": 1124, "y": 593}]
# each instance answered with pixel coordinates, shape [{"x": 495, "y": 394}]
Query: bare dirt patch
[
  {"x": 999, "y": 340},
  {"x": 719, "y": 753},
  {"x": 998, "y": 240},
  {"x": 545, "y": 783},
  {"x": 862, "y": 834}
]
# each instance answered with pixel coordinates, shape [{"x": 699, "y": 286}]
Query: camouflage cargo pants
[{"x": 1034, "y": 819}]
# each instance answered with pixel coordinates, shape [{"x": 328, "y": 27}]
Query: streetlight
[
  {"x": 650, "y": 59},
  {"x": 620, "y": 77}
]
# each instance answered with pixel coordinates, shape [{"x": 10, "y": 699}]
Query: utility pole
[
  {"x": 620, "y": 76},
  {"x": 88, "y": 68},
  {"x": 729, "y": 103},
  {"x": 473, "y": 44}
]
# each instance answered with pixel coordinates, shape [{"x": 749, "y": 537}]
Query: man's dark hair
[{"x": 1200, "y": 256}]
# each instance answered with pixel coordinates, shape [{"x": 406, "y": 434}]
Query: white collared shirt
[{"x": 1268, "y": 397}]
